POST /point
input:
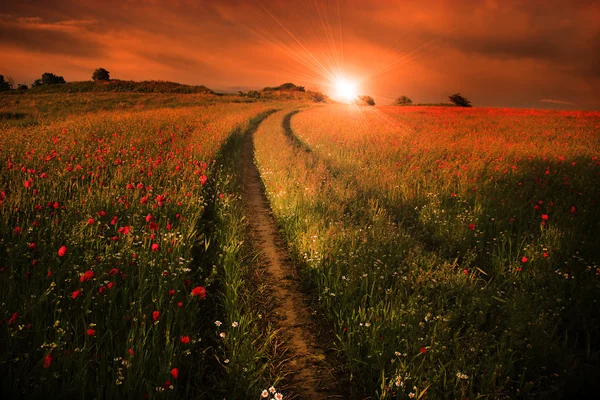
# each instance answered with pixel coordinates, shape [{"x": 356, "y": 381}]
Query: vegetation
[
  {"x": 288, "y": 87},
  {"x": 4, "y": 85},
  {"x": 403, "y": 101},
  {"x": 49, "y": 78},
  {"x": 366, "y": 100},
  {"x": 449, "y": 258},
  {"x": 101, "y": 74},
  {"x": 115, "y": 85},
  {"x": 459, "y": 100}
]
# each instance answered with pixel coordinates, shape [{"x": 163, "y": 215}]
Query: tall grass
[{"x": 452, "y": 252}]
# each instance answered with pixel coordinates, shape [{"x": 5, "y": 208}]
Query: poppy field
[
  {"x": 447, "y": 253},
  {"x": 118, "y": 231},
  {"x": 452, "y": 253}
]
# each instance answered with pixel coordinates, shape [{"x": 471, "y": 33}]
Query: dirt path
[{"x": 309, "y": 375}]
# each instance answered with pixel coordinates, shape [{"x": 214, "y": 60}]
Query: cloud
[{"x": 553, "y": 101}]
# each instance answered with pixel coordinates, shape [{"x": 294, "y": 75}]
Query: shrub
[
  {"x": 366, "y": 100},
  {"x": 403, "y": 101},
  {"x": 459, "y": 100},
  {"x": 4, "y": 85},
  {"x": 49, "y": 78},
  {"x": 101, "y": 74}
]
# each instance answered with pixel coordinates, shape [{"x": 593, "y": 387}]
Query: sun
[{"x": 345, "y": 90}]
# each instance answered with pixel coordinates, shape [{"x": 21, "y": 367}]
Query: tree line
[{"x": 48, "y": 78}]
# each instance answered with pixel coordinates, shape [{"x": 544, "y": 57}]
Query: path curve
[{"x": 309, "y": 375}]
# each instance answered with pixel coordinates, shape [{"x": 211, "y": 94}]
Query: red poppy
[
  {"x": 124, "y": 230},
  {"x": 153, "y": 226},
  {"x": 91, "y": 332},
  {"x": 573, "y": 210},
  {"x": 76, "y": 294},
  {"x": 185, "y": 339},
  {"x": 203, "y": 179},
  {"x": 175, "y": 373},
  {"x": 180, "y": 304},
  {"x": 199, "y": 291},
  {"x": 110, "y": 285},
  {"x": 91, "y": 221},
  {"x": 17, "y": 230},
  {"x": 524, "y": 259},
  {"x": 48, "y": 360},
  {"x": 422, "y": 350},
  {"x": 155, "y": 247},
  {"x": 113, "y": 272},
  {"x": 13, "y": 318},
  {"x": 86, "y": 276},
  {"x": 62, "y": 251},
  {"x": 472, "y": 227},
  {"x": 131, "y": 352},
  {"x": 149, "y": 218},
  {"x": 155, "y": 315},
  {"x": 171, "y": 292},
  {"x": 28, "y": 183},
  {"x": 545, "y": 217}
]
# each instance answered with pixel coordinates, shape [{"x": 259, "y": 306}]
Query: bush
[
  {"x": 366, "y": 100},
  {"x": 459, "y": 100},
  {"x": 49, "y": 78},
  {"x": 101, "y": 74},
  {"x": 4, "y": 85},
  {"x": 22, "y": 87},
  {"x": 403, "y": 101}
]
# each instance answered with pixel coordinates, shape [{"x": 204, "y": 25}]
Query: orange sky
[{"x": 496, "y": 53}]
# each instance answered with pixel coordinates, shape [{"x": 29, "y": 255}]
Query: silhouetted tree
[
  {"x": 22, "y": 87},
  {"x": 368, "y": 100},
  {"x": 4, "y": 85},
  {"x": 317, "y": 97},
  {"x": 459, "y": 100},
  {"x": 403, "y": 101},
  {"x": 49, "y": 78},
  {"x": 101, "y": 74}
]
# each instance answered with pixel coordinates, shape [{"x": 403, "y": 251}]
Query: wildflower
[
  {"x": 411, "y": 395},
  {"x": 13, "y": 318},
  {"x": 149, "y": 218},
  {"x": 91, "y": 221},
  {"x": 155, "y": 247},
  {"x": 264, "y": 394},
  {"x": 91, "y": 332},
  {"x": 155, "y": 315},
  {"x": 545, "y": 217},
  {"x": 272, "y": 390},
  {"x": 218, "y": 323},
  {"x": 222, "y": 334},
  {"x": 171, "y": 292},
  {"x": 131, "y": 352},
  {"x": 175, "y": 373},
  {"x": 62, "y": 251},
  {"x": 524, "y": 259},
  {"x": 124, "y": 230},
  {"x": 86, "y": 276},
  {"x": 423, "y": 350},
  {"x": 199, "y": 291},
  {"x": 48, "y": 360},
  {"x": 203, "y": 179},
  {"x": 113, "y": 272},
  {"x": 471, "y": 227},
  {"x": 185, "y": 339},
  {"x": 234, "y": 324},
  {"x": 76, "y": 294},
  {"x": 278, "y": 396}
]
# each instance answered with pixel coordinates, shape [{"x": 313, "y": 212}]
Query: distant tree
[
  {"x": 101, "y": 74},
  {"x": 459, "y": 100},
  {"x": 49, "y": 78},
  {"x": 4, "y": 85},
  {"x": 368, "y": 100},
  {"x": 22, "y": 87},
  {"x": 11, "y": 82},
  {"x": 403, "y": 101},
  {"x": 317, "y": 97}
]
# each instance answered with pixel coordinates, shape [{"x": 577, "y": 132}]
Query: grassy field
[
  {"x": 453, "y": 252},
  {"x": 449, "y": 252}
]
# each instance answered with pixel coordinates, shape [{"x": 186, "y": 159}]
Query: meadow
[{"x": 448, "y": 252}]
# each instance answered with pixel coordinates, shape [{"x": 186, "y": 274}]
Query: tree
[
  {"x": 101, "y": 74},
  {"x": 459, "y": 100},
  {"x": 49, "y": 78},
  {"x": 22, "y": 87},
  {"x": 403, "y": 101},
  {"x": 368, "y": 100},
  {"x": 4, "y": 85}
]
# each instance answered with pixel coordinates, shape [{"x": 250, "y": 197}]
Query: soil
[{"x": 308, "y": 373}]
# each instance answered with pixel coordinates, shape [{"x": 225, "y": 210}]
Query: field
[{"x": 443, "y": 252}]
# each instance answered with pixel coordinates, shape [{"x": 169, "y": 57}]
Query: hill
[{"x": 116, "y": 85}]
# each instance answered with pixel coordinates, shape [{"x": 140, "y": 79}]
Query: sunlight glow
[{"x": 345, "y": 90}]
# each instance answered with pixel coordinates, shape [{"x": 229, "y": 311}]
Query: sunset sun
[{"x": 345, "y": 90}]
